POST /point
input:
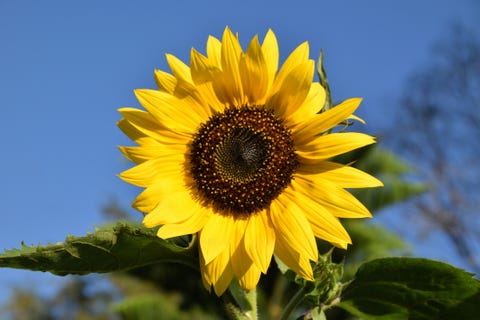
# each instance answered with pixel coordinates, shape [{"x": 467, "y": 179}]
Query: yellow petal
[
  {"x": 291, "y": 225},
  {"x": 171, "y": 180},
  {"x": 138, "y": 122},
  {"x": 170, "y": 111},
  {"x": 341, "y": 245},
  {"x": 207, "y": 92},
  {"x": 179, "y": 87},
  {"x": 189, "y": 226},
  {"x": 330, "y": 145},
  {"x": 298, "y": 263},
  {"x": 240, "y": 260},
  {"x": 168, "y": 184},
  {"x": 148, "y": 142},
  {"x": 132, "y": 155},
  {"x": 143, "y": 174},
  {"x": 141, "y": 118},
  {"x": 214, "y": 51},
  {"x": 202, "y": 69},
  {"x": 165, "y": 81},
  {"x": 147, "y": 152},
  {"x": 179, "y": 69},
  {"x": 194, "y": 100},
  {"x": 230, "y": 86},
  {"x": 313, "y": 103},
  {"x": 342, "y": 175},
  {"x": 325, "y": 121},
  {"x": 271, "y": 55},
  {"x": 206, "y": 277},
  {"x": 336, "y": 200},
  {"x": 151, "y": 171},
  {"x": 129, "y": 130},
  {"x": 323, "y": 223},
  {"x": 174, "y": 208},
  {"x": 218, "y": 272},
  {"x": 298, "y": 57},
  {"x": 293, "y": 90},
  {"x": 250, "y": 279},
  {"x": 260, "y": 240},
  {"x": 149, "y": 198},
  {"x": 254, "y": 73},
  {"x": 216, "y": 236}
]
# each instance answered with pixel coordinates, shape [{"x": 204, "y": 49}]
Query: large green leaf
[
  {"x": 366, "y": 245},
  {"x": 412, "y": 288},
  {"x": 111, "y": 248}
]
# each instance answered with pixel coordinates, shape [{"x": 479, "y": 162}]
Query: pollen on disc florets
[{"x": 242, "y": 159}]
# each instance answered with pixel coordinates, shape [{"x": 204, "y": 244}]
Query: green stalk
[
  {"x": 294, "y": 301},
  {"x": 251, "y": 311},
  {"x": 246, "y": 308}
]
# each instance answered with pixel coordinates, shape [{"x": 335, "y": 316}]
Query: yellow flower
[{"x": 235, "y": 150}]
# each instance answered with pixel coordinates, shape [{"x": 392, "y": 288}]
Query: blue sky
[{"x": 67, "y": 66}]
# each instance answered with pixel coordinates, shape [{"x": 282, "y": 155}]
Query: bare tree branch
[{"x": 440, "y": 125}]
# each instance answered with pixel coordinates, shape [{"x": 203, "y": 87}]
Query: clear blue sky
[{"x": 67, "y": 66}]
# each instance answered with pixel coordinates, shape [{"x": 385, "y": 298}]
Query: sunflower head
[
  {"x": 241, "y": 160},
  {"x": 237, "y": 150}
]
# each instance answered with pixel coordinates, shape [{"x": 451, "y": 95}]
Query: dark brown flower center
[{"x": 242, "y": 159}]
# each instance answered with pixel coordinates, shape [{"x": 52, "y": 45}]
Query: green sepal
[
  {"x": 322, "y": 77},
  {"x": 327, "y": 287},
  {"x": 316, "y": 314}
]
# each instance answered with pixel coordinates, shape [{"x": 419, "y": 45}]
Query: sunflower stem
[
  {"x": 231, "y": 305},
  {"x": 242, "y": 305},
  {"x": 294, "y": 301},
  {"x": 278, "y": 292},
  {"x": 251, "y": 309}
]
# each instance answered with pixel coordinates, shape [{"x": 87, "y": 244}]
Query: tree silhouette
[{"x": 439, "y": 130}]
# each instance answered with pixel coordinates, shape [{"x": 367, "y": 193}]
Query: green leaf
[
  {"x": 411, "y": 288},
  {"x": 111, "y": 248}
]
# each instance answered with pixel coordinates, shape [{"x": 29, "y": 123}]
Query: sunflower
[{"x": 234, "y": 150}]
